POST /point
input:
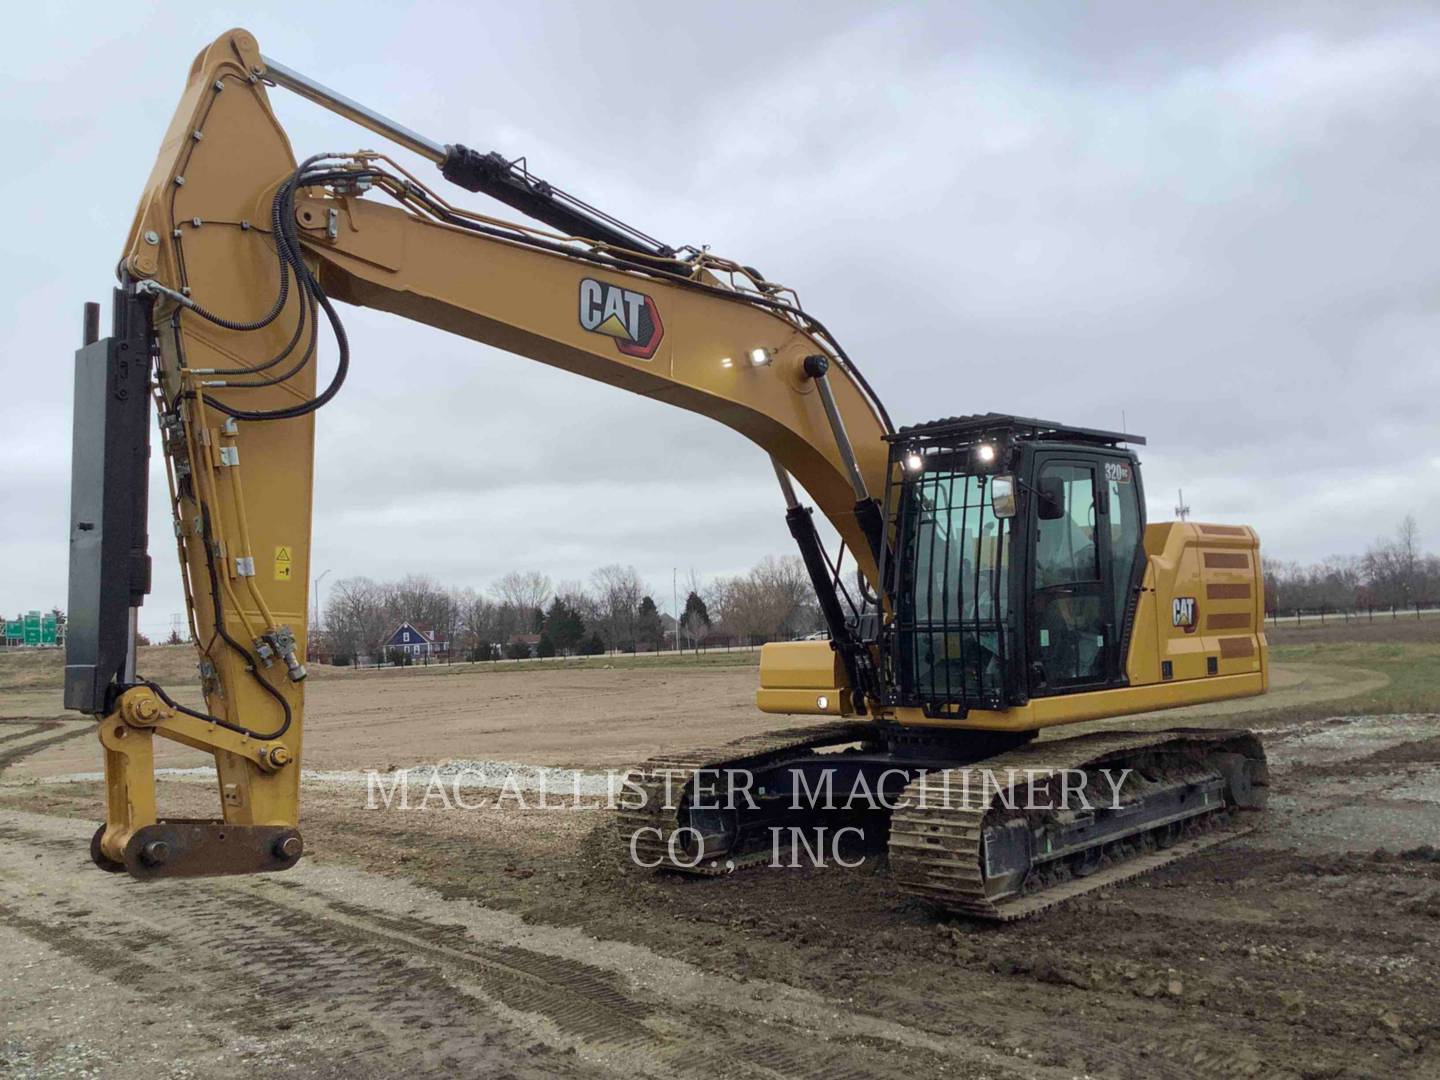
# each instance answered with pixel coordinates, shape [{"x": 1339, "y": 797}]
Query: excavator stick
[{"x": 109, "y": 577}]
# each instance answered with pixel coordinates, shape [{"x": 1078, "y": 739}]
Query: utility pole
[
  {"x": 675, "y": 602},
  {"x": 318, "y": 580},
  {"x": 1182, "y": 512}
]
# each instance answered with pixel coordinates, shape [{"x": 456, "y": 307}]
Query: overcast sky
[{"x": 1215, "y": 221}]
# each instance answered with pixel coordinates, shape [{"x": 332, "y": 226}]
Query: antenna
[{"x": 1182, "y": 512}]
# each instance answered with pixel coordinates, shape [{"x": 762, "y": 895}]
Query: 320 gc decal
[{"x": 631, "y": 318}]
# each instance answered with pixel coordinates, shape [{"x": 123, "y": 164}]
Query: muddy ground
[{"x": 507, "y": 942}]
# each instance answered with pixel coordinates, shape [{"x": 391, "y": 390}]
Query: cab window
[
  {"x": 1124, "y": 521},
  {"x": 1069, "y": 600},
  {"x": 1065, "y": 550}
]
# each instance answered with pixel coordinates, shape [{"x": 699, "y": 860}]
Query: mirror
[
  {"x": 1002, "y": 496},
  {"x": 1052, "y": 498}
]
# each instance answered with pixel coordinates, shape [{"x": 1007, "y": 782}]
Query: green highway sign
[{"x": 33, "y": 628}]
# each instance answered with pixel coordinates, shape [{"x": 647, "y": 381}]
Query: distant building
[
  {"x": 417, "y": 642},
  {"x": 529, "y": 642}
]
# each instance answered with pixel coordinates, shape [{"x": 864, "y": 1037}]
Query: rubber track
[
  {"x": 936, "y": 837},
  {"x": 665, "y": 779}
]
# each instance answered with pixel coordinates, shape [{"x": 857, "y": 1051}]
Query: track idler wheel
[{"x": 1238, "y": 772}]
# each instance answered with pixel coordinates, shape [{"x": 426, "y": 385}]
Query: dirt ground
[
  {"x": 508, "y": 942},
  {"x": 591, "y": 716}
]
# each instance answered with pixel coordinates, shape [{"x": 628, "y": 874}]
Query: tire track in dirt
[
  {"x": 35, "y": 726},
  {"x": 13, "y": 754},
  {"x": 687, "y": 1021},
  {"x": 375, "y": 976},
  {"x": 263, "y": 970}
]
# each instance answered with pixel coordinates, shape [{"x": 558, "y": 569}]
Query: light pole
[{"x": 318, "y": 580}]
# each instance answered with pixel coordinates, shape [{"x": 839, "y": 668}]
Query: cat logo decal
[
  {"x": 630, "y": 318},
  {"x": 1185, "y": 613}
]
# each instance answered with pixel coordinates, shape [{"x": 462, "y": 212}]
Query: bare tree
[
  {"x": 509, "y": 621},
  {"x": 789, "y": 594},
  {"x": 773, "y": 600},
  {"x": 1393, "y": 570},
  {"x": 358, "y": 617},
  {"x": 478, "y": 628},
  {"x": 422, "y": 601},
  {"x": 617, "y": 592},
  {"x": 524, "y": 590},
  {"x": 1393, "y": 567}
]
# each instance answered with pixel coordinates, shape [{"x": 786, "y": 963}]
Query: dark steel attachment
[
  {"x": 187, "y": 847},
  {"x": 109, "y": 485}
]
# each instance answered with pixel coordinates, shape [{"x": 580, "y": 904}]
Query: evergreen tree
[
  {"x": 695, "y": 620},
  {"x": 563, "y": 626},
  {"x": 647, "y": 624}
]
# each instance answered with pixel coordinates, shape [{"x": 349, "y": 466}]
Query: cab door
[
  {"x": 1085, "y": 529},
  {"x": 1069, "y": 598}
]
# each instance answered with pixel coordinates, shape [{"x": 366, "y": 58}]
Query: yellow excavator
[{"x": 1006, "y": 580}]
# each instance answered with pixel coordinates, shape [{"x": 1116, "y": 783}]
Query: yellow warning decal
[{"x": 282, "y": 562}]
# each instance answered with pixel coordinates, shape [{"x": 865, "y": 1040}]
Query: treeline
[
  {"x": 615, "y": 611},
  {"x": 1393, "y": 572}
]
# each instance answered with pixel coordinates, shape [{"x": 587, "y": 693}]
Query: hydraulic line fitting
[{"x": 280, "y": 641}]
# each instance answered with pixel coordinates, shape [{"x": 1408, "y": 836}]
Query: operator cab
[{"x": 1017, "y": 561}]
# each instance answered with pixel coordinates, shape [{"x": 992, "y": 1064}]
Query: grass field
[
  {"x": 1405, "y": 651},
  {"x": 1413, "y": 670}
]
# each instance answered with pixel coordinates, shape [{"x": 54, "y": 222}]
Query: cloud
[{"x": 1210, "y": 223}]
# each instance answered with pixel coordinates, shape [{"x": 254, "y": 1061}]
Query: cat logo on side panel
[{"x": 1185, "y": 613}]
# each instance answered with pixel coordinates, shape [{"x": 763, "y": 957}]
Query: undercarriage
[{"x": 992, "y": 826}]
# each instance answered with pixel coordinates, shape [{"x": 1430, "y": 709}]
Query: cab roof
[{"x": 995, "y": 425}]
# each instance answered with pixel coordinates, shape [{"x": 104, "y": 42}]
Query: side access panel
[{"x": 1208, "y": 595}]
